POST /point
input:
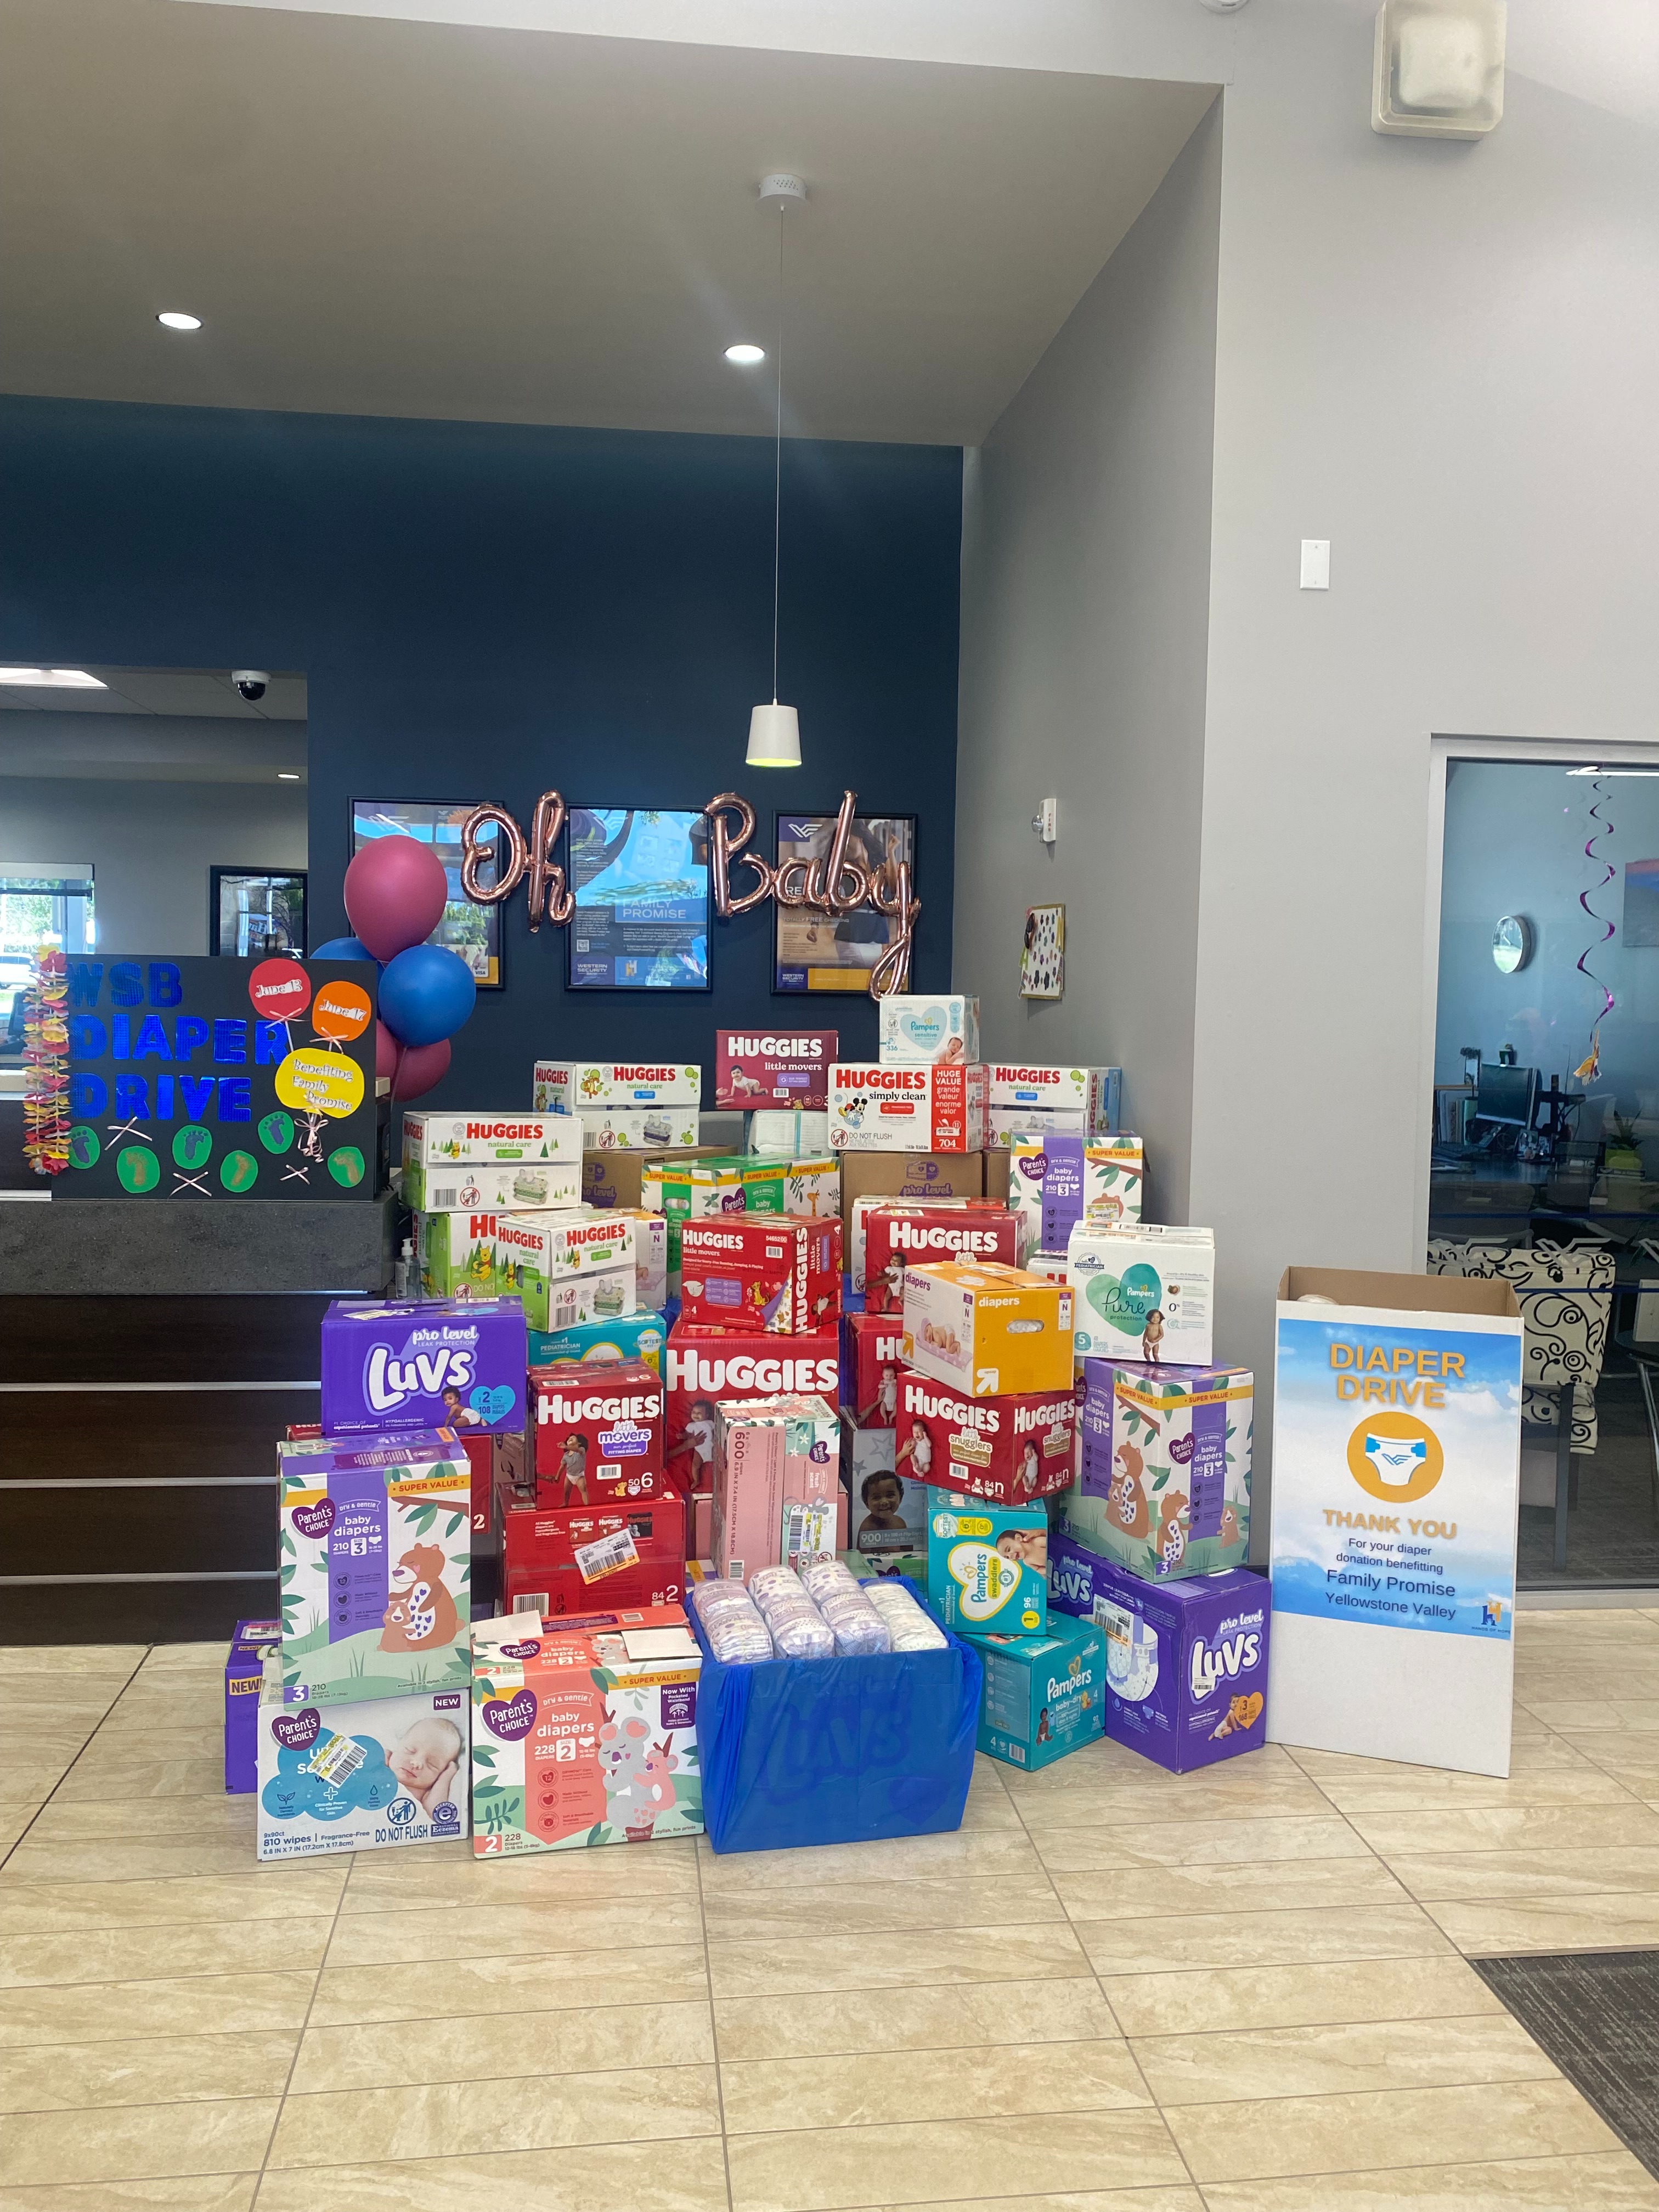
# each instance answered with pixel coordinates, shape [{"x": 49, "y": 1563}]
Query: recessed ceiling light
[
  {"x": 51, "y": 679},
  {"x": 173, "y": 321},
  {"x": 288, "y": 776},
  {"x": 746, "y": 356}
]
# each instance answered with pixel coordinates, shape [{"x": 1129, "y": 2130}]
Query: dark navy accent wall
[{"x": 487, "y": 611}]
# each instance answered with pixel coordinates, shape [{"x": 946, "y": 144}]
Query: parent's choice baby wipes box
[{"x": 361, "y": 1774}]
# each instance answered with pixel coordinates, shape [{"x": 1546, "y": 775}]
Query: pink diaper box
[
  {"x": 771, "y": 1454},
  {"x": 769, "y": 1067}
]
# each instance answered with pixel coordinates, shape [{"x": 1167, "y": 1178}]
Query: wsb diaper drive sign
[{"x": 1396, "y": 1501}]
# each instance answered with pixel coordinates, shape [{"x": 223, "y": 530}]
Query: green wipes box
[
  {"x": 987, "y": 1565},
  {"x": 1043, "y": 1695}
]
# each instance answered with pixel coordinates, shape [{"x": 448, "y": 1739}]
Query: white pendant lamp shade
[{"x": 774, "y": 738}]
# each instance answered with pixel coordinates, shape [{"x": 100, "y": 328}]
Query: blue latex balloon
[
  {"x": 426, "y": 993},
  {"x": 342, "y": 948}
]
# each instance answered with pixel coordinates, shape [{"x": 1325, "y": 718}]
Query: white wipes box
[{"x": 1144, "y": 1292}]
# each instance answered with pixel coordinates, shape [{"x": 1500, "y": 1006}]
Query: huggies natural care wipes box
[
  {"x": 564, "y": 1268},
  {"x": 493, "y": 1186},
  {"x": 434, "y": 1141},
  {"x": 359, "y": 1776},
  {"x": 1144, "y": 1292}
]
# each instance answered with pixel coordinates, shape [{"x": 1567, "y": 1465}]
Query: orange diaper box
[{"x": 991, "y": 1331}]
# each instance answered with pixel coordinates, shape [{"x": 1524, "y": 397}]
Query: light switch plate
[{"x": 1316, "y": 564}]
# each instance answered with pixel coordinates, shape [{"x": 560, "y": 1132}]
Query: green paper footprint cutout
[
  {"x": 276, "y": 1132},
  {"x": 139, "y": 1170},
  {"x": 346, "y": 1166},
  {"x": 239, "y": 1172},
  {"x": 85, "y": 1149},
  {"x": 192, "y": 1148}
]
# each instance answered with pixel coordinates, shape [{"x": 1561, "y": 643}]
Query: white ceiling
[
  {"x": 170, "y": 691},
  {"x": 395, "y": 218}
]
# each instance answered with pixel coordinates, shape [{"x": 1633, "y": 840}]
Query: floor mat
[{"x": 1595, "y": 2015}]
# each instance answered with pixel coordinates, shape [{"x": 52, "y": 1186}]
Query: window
[
  {"x": 41, "y": 902},
  {"x": 253, "y": 912}
]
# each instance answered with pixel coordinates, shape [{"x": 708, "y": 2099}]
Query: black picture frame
[
  {"x": 276, "y": 941},
  {"x": 876, "y": 930},
  {"x": 577, "y": 949},
  {"x": 469, "y": 926}
]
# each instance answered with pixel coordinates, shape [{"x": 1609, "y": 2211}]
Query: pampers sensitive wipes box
[
  {"x": 357, "y": 1776},
  {"x": 1043, "y": 1695},
  {"x": 402, "y": 1364},
  {"x": 987, "y": 1565},
  {"x": 1143, "y": 1293},
  {"x": 919, "y": 1031},
  {"x": 1163, "y": 1486}
]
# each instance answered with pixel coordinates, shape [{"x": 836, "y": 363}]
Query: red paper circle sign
[
  {"x": 342, "y": 1010},
  {"x": 280, "y": 990}
]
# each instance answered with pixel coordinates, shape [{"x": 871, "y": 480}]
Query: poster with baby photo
[{"x": 1042, "y": 960}]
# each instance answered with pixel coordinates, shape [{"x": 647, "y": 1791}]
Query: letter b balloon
[{"x": 426, "y": 993}]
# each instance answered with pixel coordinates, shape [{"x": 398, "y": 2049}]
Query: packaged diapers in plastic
[
  {"x": 736, "y": 1635},
  {"x": 857, "y": 1626},
  {"x": 906, "y": 1622},
  {"x": 799, "y": 1629}
]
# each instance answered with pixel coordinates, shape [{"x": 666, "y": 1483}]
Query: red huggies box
[
  {"x": 599, "y": 1431},
  {"x": 570, "y": 1559},
  {"x": 911, "y": 1235},
  {"x": 871, "y": 1368},
  {"x": 497, "y": 1462},
  {"x": 764, "y": 1067},
  {"x": 704, "y": 1368},
  {"x": 1008, "y": 1450},
  {"x": 770, "y": 1272}
]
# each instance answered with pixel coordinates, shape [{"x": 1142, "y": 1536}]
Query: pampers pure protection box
[
  {"x": 769, "y": 1067},
  {"x": 440, "y": 1139},
  {"x": 900, "y": 1108},
  {"x": 988, "y": 1330},
  {"x": 1163, "y": 1487},
  {"x": 1043, "y": 1695},
  {"x": 571, "y": 1087},
  {"x": 357, "y": 1776},
  {"x": 918, "y": 1031},
  {"x": 400, "y": 1363},
  {"x": 1143, "y": 1293},
  {"x": 987, "y": 1565}
]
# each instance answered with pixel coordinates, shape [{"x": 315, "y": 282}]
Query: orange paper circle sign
[
  {"x": 280, "y": 990},
  {"x": 341, "y": 1011}
]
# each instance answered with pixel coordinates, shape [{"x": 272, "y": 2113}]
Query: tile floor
[{"x": 1112, "y": 1991}]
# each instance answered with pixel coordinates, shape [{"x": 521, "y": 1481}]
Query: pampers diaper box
[
  {"x": 1055, "y": 1181},
  {"x": 1186, "y": 1663},
  {"x": 901, "y": 1108},
  {"x": 253, "y": 1643},
  {"x": 564, "y": 1268},
  {"x": 575, "y": 1086},
  {"x": 987, "y": 1565},
  {"x": 1043, "y": 1695},
  {"x": 1143, "y": 1293},
  {"x": 1164, "y": 1483},
  {"x": 986, "y": 1329},
  {"x": 356, "y": 1776},
  {"x": 585, "y": 1731},
  {"x": 402, "y": 1364},
  {"x": 639, "y": 1335},
  {"x": 918, "y": 1031}
]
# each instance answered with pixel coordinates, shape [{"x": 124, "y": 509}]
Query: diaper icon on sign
[{"x": 1396, "y": 1459}]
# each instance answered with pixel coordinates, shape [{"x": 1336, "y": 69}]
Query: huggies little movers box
[{"x": 359, "y": 1776}]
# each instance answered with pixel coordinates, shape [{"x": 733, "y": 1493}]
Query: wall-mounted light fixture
[{"x": 1438, "y": 68}]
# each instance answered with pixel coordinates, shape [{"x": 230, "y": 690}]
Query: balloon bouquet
[{"x": 395, "y": 893}]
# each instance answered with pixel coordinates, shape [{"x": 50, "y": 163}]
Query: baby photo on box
[{"x": 356, "y": 1776}]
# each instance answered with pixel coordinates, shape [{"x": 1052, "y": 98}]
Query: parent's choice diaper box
[
  {"x": 436, "y": 1141},
  {"x": 565, "y": 1268},
  {"x": 1055, "y": 1181},
  {"x": 398, "y": 1364},
  {"x": 900, "y": 1109},
  {"x": 575, "y": 1086},
  {"x": 1144, "y": 1292},
  {"x": 252, "y": 1644},
  {"x": 919, "y": 1030},
  {"x": 990, "y": 1331},
  {"x": 1186, "y": 1663},
  {"x": 488, "y": 1187},
  {"x": 375, "y": 1536},
  {"x": 774, "y": 1067},
  {"x": 585, "y": 1731},
  {"x": 360, "y": 1774},
  {"x": 1163, "y": 1486},
  {"x": 1043, "y": 1695},
  {"x": 639, "y": 1335},
  {"x": 1010, "y": 1449},
  {"x": 987, "y": 1565}
]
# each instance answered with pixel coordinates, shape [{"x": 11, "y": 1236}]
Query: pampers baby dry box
[{"x": 1043, "y": 1695}]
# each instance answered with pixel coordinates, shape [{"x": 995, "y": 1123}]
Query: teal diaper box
[
  {"x": 1043, "y": 1695},
  {"x": 987, "y": 1565}
]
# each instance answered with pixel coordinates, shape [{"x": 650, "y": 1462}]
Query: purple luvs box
[
  {"x": 1186, "y": 1662},
  {"x": 440, "y": 1363},
  {"x": 244, "y": 1673}
]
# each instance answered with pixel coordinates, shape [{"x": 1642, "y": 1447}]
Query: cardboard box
[
  {"x": 882, "y": 1109},
  {"x": 252, "y": 1644},
  {"x": 887, "y": 1510},
  {"x": 987, "y": 1565},
  {"x": 904, "y": 1234},
  {"x": 491, "y": 1187},
  {"x": 759, "y": 1271},
  {"x": 574, "y": 1086},
  {"x": 612, "y": 1178},
  {"x": 564, "y": 1268},
  {"x": 773, "y": 1067},
  {"x": 768, "y": 1454},
  {"x": 402, "y": 1364},
  {"x": 620, "y": 1129},
  {"x": 920, "y": 1030},
  {"x": 1164, "y": 1488},
  {"x": 929, "y": 1175},
  {"x": 790, "y": 1132},
  {"x": 560, "y": 1561},
  {"x": 1042, "y": 1695},
  {"x": 1047, "y": 1087},
  {"x": 1186, "y": 1663},
  {"x": 434, "y": 1141},
  {"x": 358, "y": 1774},
  {"x": 1012, "y": 1450},
  {"x": 584, "y": 1732},
  {"x": 640, "y": 1335},
  {"x": 1055, "y": 1181},
  {"x": 497, "y": 1462},
  {"x": 989, "y": 1331},
  {"x": 871, "y": 1360},
  {"x": 1143, "y": 1293},
  {"x": 598, "y": 1432},
  {"x": 376, "y": 1542},
  {"x": 708, "y": 1368}
]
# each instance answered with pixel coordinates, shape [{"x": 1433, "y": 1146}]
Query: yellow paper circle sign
[{"x": 315, "y": 1082}]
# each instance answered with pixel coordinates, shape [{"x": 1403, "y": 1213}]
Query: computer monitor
[{"x": 1506, "y": 1094}]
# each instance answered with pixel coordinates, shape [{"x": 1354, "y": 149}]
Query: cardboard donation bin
[{"x": 1396, "y": 1501}]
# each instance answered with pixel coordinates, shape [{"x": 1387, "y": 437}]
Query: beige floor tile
[
  {"x": 1510, "y": 1827},
  {"x": 520, "y": 1982},
  {"x": 300, "y": 1891},
  {"x": 1629, "y": 1760},
  {"x": 1330, "y": 2059},
  {"x": 1610, "y": 2181},
  {"x": 100, "y": 1775},
  {"x": 187, "y": 1658},
  {"x": 446, "y": 2119},
  {"x": 1104, "y": 1758},
  {"x": 163, "y": 1818},
  {"x": 161, "y": 1858},
  {"x": 198, "y": 2004},
  {"x": 1550, "y": 1754},
  {"x": 889, "y": 1960},
  {"x": 645, "y": 2177},
  {"x": 145, "y": 2070},
  {"x": 899, "y": 1908},
  {"x": 1576, "y": 1718},
  {"x": 820, "y": 2170},
  {"x": 27, "y": 1780},
  {"x": 1616, "y": 1920},
  {"x": 162, "y": 1743},
  {"x": 1172, "y": 2198},
  {"x": 946, "y": 2017},
  {"x": 1126, "y": 1804},
  {"x": 1522, "y": 1874},
  {"x": 991, "y": 2083},
  {"x": 1288, "y": 1884},
  {"x": 479, "y": 1931},
  {"x": 1284, "y": 2135},
  {"x": 1235, "y": 1998},
  {"x": 202, "y": 2193},
  {"x": 119, "y": 1661},
  {"x": 1585, "y": 1786},
  {"x": 1259, "y": 1939},
  {"x": 152, "y": 1955},
  {"x": 16, "y": 1821},
  {"x": 990, "y": 1805},
  {"x": 1200, "y": 1843},
  {"x": 967, "y": 1853},
  {"x": 138, "y": 2143},
  {"x": 477, "y": 2047},
  {"x": 390, "y": 1881}
]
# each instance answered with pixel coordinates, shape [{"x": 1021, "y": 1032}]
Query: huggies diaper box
[
  {"x": 631, "y": 1336},
  {"x": 897, "y": 1235},
  {"x": 1055, "y": 1181},
  {"x": 762, "y": 1272},
  {"x": 356, "y": 1775},
  {"x": 707, "y": 1367},
  {"x": 253, "y": 1643},
  {"x": 1186, "y": 1663},
  {"x": 376, "y": 1542},
  {"x": 436, "y": 1140},
  {"x": 919, "y": 1031},
  {"x": 617, "y": 1129},
  {"x": 402, "y": 1364},
  {"x": 566, "y": 1559},
  {"x": 770, "y": 1456},
  {"x": 710, "y": 1189},
  {"x": 585, "y": 1731},
  {"x": 1010, "y": 1449},
  {"x": 987, "y": 1565},
  {"x": 889, "y": 1108},
  {"x": 872, "y": 1356},
  {"x": 1143, "y": 1293},
  {"x": 1043, "y": 1695},
  {"x": 573, "y": 1086},
  {"x": 598, "y": 1432},
  {"x": 486, "y": 1187},
  {"x": 988, "y": 1330},
  {"x": 1164, "y": 1484},
  {"x": 766, "y": 1067},
  {"x": 498, "y": 1462},
  {"x": 565, "y": 1268}
]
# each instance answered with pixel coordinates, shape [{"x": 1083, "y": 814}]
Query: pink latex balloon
[
  {"x": 386, "y": 1048},
  {"x": 420, "y": 1067},
  {"x": 395, "y": 893}
]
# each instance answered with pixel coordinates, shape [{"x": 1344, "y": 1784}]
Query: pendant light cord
[{"x": 777, "y": 470}]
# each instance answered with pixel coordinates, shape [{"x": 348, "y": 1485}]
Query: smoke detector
[{"x": 781, "y": 188}]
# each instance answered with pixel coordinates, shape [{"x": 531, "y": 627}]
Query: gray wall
[
  {"x": 151, "y": 845},
  {"x": 1085, "y": 596}
]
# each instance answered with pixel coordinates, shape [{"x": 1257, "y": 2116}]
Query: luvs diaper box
[
  {"x": 767, "y": 1067},
  {"x": 436, "y": 1141},
  {"x": 598, "y": 1432},
  {"x": 1011, "y": 1450},
  {"x": 767, "y": 1271},
  {"x": 922, "y": 1031},
  {"x": 988, "y": 1330},
  {"x": 375, "y": 1539},
  {"x": 987, "y": 1565},
  {"x": 1043, "y": 1695},
  {"x": 585, "y": 1731},
  {"x": 1186, "y": 1663},
  {"x": 252, "y": 1644},
  {"x": 1056, "y": 1182},
  {"x": 898, "y": 1234},
  {"x": 486, "y": 1187},
  {"x": 1164, "y": 1484},
  {"x": 773, "y": 1459},
  {"x": 900, "y": 1109},
  {"x": 402, "y": 1364},
  {"x": 358, "y": 1775},
  {"x": 1143, "y": 1293},
  {"x": 574, "y": 1086}
]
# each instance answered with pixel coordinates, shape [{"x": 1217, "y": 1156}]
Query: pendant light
[{"x": 774, "y": 730}]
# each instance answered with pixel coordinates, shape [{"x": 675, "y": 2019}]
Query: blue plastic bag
[{"x": 835, "y": 1751}]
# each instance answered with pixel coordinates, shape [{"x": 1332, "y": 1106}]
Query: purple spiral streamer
[{"x": 1591, "y": 1063}]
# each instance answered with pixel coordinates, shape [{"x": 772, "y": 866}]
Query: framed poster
[
  {"x": 473, "y": 930},
  {"x": 251, "y": 912},
  {"x": 1043, "y": 955},
  {"x": 640, "y": 878},
  {"x": 815, "y": 951}
]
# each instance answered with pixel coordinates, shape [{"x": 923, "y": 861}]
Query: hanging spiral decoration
[{"x": 1589, "y": 1067}]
